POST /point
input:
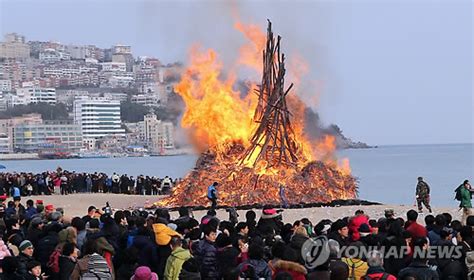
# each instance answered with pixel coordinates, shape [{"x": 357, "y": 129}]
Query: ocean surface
[{"x": 387, "y": 174}]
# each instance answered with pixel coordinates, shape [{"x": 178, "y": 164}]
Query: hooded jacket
[
  {"x": 163, "y": 234},
  {"x": 175, "y": 262},
  {"x": 354, "y": 225},
  {"x": 297, "y": 271}
]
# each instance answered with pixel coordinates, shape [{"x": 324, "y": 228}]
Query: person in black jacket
[
  {"x": 206, "y": 253},
  {"x": 47, "y": 244},
  {"x": 35, "y": 230},
  {"x": 129, "y": 264},
  {"x": 10, "y": 269},
  {"x": 67, "y": 261},
  {"x": 419, "y": 266},
  {"x": 147, "y": 250},
  {"x": 227, "y": 256},
  {"x": 25, "y": 256}
]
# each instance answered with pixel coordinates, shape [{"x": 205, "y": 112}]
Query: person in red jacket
[
  {"x": 415, "y": 229},
  {"x": 376, "y": 270},
  {"x": 355, "y": 222}
]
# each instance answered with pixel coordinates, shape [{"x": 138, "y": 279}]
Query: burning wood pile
[{"x": 259, "y": 158}]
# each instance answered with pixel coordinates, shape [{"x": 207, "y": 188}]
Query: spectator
[
  {"x": 175, "y": 261},
  {"x": 144, "y": 273},
  {"x": 376, "y": 270},
  {"x": 419, "y": 266}
]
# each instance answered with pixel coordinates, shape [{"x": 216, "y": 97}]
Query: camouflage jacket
[{"x": 422, "y": 189}]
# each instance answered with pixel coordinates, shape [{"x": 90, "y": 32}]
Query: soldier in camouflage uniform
[{"x": 423, "y": 195}]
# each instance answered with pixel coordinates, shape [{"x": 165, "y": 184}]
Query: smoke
[{"x": 212, "y": 26}]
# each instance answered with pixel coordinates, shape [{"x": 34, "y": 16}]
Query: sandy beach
[{"x": 77, "y": 204}]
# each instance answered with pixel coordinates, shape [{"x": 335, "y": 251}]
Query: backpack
[
  {"x": 458, "y": 194},
  {"x": 53, "y": 263}
]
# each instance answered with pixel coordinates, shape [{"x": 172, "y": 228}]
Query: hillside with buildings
[
  {"x": 63, "y": 100},
  {"x": 60, "y": 100}
]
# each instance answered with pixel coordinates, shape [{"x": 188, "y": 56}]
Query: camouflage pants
[{"x": 425, "y": 200}]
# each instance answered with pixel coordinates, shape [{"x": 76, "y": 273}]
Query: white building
[
  {"x": 121, "y": 81},
  {"x": 146, "y": 99},
  {"x": 5, "y": 85},
  {"x": 116, "y": 96},
  {"x": 49, "y": 56},
  {"x": 4, "y": 143},
  {"x": 113, "y": 66},
  {"x": 98, "y": 117},
  {"x": 36, "y": 95},
  {"x": 157, "y": 134},
  {"x": 3, "y": 102},
  {"x": 12, "y": 100}
]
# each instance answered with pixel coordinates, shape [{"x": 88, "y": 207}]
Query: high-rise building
[
  {"x": 98, "y": 117},
  {"x": 14, "y": 46}
]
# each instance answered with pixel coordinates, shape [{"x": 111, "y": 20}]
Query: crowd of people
[
  {"x": 65, "y": 182},
  {"x": 41, "y": 242}
]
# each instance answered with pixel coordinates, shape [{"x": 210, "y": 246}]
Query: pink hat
[
  {"x": 270, "y": 213},
  {"x": 144, "y": 273}
]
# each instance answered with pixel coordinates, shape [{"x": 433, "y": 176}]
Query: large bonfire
[{"x": 254, "y": 146}]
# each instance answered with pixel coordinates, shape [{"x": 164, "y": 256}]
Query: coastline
[{"x": 77, "y": 204}]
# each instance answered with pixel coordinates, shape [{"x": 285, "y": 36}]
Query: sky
[{"x": 387, "y": 72}]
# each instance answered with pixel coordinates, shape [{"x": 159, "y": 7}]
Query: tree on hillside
[
  {"x": 48, "y": 112},
  {"x": 132, "y": 112}
]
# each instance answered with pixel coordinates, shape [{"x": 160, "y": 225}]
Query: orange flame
[{"x": 216, "y": 114}]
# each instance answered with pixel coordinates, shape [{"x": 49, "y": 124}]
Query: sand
[{"x": 77, "y": 204}]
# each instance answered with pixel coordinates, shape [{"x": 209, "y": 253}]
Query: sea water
[{"x": 386, "y": 174}]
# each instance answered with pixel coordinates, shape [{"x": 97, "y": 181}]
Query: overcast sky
[{"x": 387, "y": 72}]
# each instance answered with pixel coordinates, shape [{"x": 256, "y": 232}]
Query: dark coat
[
  {"x": 45, "y": 247},
  {"x": 261, "y": 268},
  {"x": 66, "y": 266},
  {"x": 206, "y": 254},
  {"x": 147, "y": 251},
  {"x": 296, "y": 244},
  {"x": 227, "y": 261},
  {"x": 22, "y": 262},
  {"x": 393, "y": 265},
  {"x": 126, "y": 271},
  {"x": 420, "y": 270},
  {"x": 273, "y": 223},
  {"x": 34, "y": 235}
]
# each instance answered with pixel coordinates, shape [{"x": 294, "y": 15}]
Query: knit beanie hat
[{"x": 25, "y": 244}]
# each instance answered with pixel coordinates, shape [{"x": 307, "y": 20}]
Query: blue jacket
[
  {"x": 16, "y": 192},
  {"x": 211, "y": 192},
  {"x": 30, "y": 211}
]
